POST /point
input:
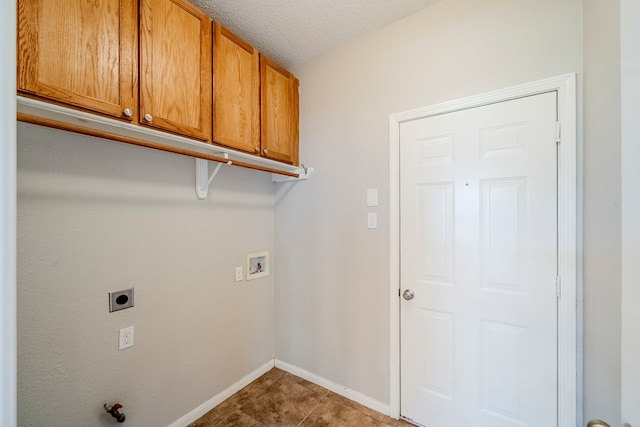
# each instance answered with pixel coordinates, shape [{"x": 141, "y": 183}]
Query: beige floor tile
[
  {"x": 239, "y": 419},
  {"x": 335, "y": 413},
  {"x": 280, "y": 399},
  {"x": 284, "y": 403},
  {"x": 217, "y": 414}
]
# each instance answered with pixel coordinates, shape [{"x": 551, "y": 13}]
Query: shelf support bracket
[
  {"x": 303, "y": 174},
  {"x": 203, "y": 179}
]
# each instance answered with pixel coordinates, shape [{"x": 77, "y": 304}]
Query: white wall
[
  {"x": 96, "y": 216},
  {"x": 7, "y": 215},
  {"x": 332, "y": 308},
  {"x": 602, "y": 232},
  {"x": 630, "y": 46}
]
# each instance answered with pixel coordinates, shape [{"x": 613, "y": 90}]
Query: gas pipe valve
[{"x": 113, "y": 410}]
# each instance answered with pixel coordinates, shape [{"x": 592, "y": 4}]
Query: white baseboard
[
  {"x": 336, "y": 388},
  {"x": 222, "y": 396}
]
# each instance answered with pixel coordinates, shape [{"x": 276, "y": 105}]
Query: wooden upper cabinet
[
  {"x": 255, "y": 100},
  {"x": 154, "y": 62},
  {"x": 279, "y": 112},
  {"x": 80, "y": 52},
  {"x": 236, "y": 95},
  {"x": 175, "y": 68}
]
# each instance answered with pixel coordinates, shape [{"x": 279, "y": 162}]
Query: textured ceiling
[{"x": 294, "y": 31}]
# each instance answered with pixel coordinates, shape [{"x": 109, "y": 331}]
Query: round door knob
[
  {"x": 257, "y": 150},
  {"x": 408, "y": 294},
  {"x": 128, "y": 112},
  {"x": 148, "y": 117},
  {"x": 265, "y": 151}
]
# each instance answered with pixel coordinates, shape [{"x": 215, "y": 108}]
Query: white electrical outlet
[
  {"x": 239, "y": 274},
  {"x": 126, "y": 338}
]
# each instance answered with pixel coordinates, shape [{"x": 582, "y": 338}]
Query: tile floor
[{"x": 280, "y": 399}]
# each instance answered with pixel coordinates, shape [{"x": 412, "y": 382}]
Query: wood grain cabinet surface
[
  {"x": 236, "y": 93},
  {"x": 175, "y": 68},
  {"x": 158, "y": 63},
  {"x": 255, "y": 100},
  {"x": 279, "y": 112},
  {"x": 81, "y": 53}
]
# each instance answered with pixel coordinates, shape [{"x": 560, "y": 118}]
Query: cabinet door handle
[
  {"x": 257, "y": 150},
  {"x": 148, "y": 117},
  {"x": 265, "y": 151},
  {"x": 128, "y": 112}
]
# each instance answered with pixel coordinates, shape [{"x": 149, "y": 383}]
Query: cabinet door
[
  {"x": 279, "y": 112},
  {"x": 79, "y": 52},
  {"x": 236, "y": 95},
  {"x": 175, "y": 68}
]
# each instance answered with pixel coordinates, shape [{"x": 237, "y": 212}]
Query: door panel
[
  {"x": 504, "y": 228},
  {"x": 478, "y": 244},
  {"x": 436, "y": 232}
]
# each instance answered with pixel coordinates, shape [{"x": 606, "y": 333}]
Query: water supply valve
[{"x": 113, "y": 410}]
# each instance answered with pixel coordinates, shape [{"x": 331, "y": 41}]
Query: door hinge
[
  {"x": 558, "y": 287},
  {"x": 558, "y": 132},
  {"x": 398, "y": 291}
]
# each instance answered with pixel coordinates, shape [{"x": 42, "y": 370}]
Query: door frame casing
[
  {"x": 565, "y": 86},
  {"x": 8, "y": 203}
]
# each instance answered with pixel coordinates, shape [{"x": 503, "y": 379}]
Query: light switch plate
[
  {"x": 372, "y": 197},
  {"x": 372, "y": 220},
  {"x": 239, "y": 274}
]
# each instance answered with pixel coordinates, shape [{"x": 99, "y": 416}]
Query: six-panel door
[{"x": 479, "y": 251}]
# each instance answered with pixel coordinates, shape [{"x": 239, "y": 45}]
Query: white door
[{"x": 478, "y": 194}]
